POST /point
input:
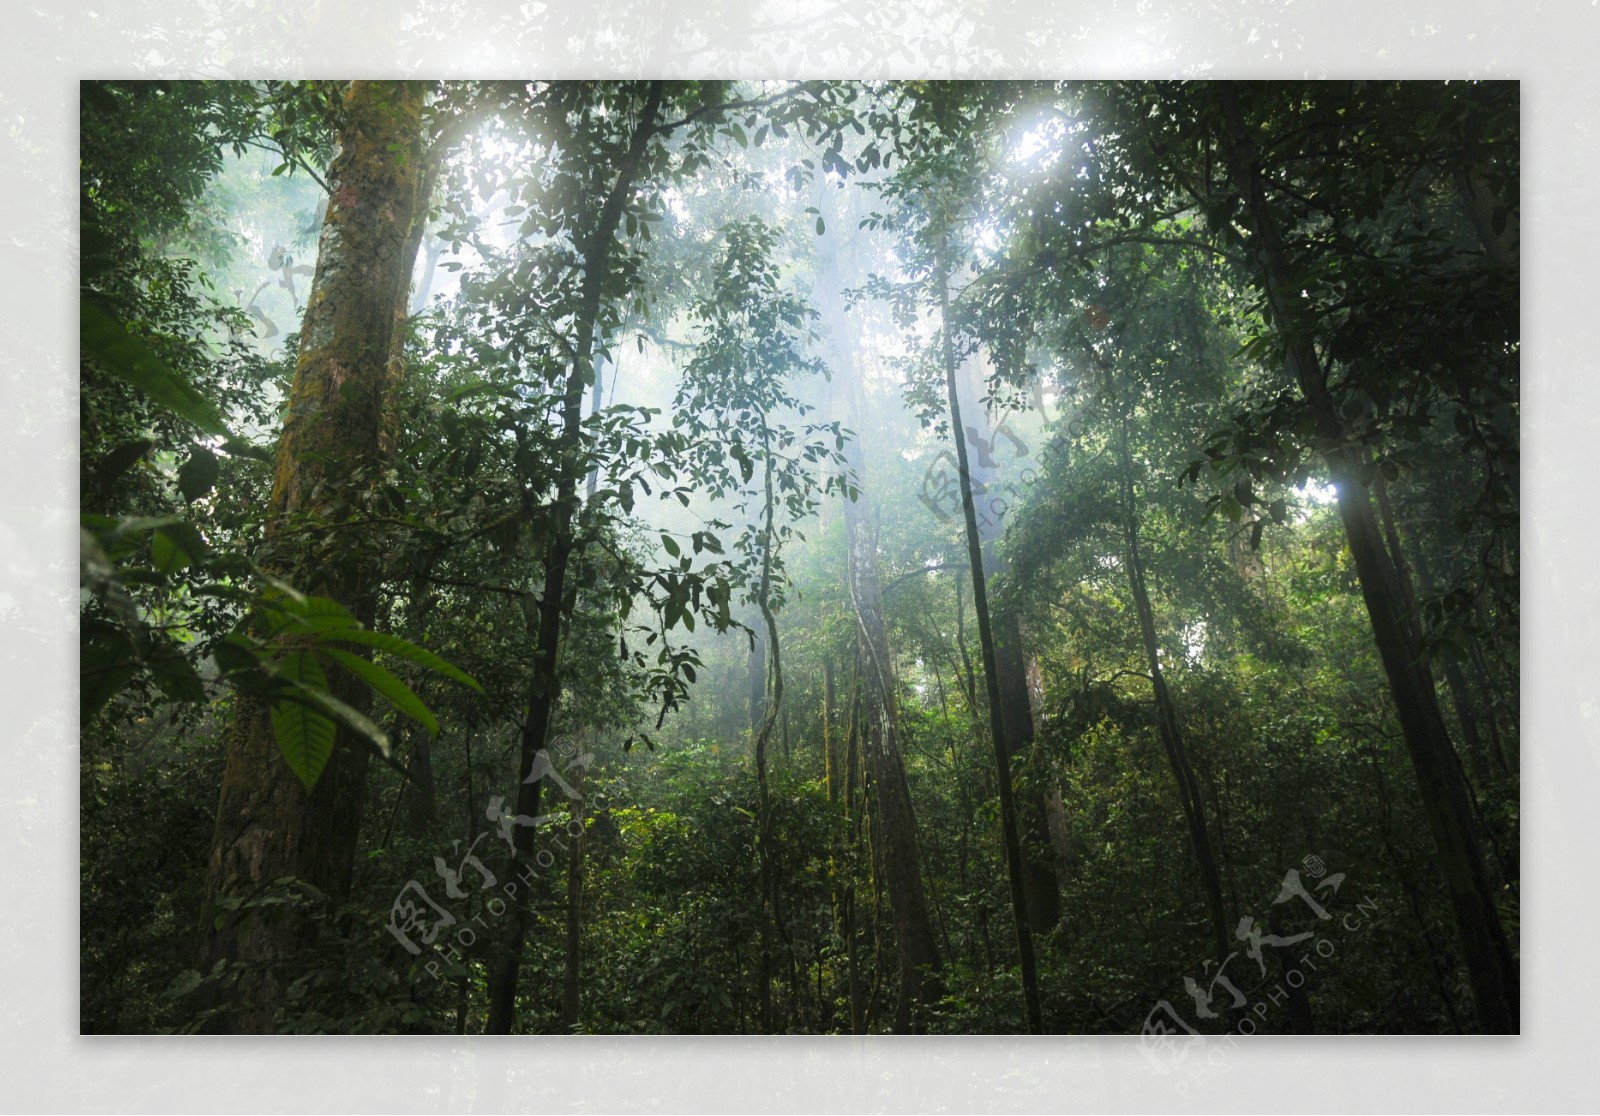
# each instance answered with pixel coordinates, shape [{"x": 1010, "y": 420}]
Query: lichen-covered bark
[
  {"x": 268, "y": 826},
  {"x": 895, "y": 821},
  {"x": 894, "y": 825}
]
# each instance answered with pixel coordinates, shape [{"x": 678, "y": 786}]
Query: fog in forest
[{"x": 826, "y": 558}]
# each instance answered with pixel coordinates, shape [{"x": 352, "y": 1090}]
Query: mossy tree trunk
[
  {"x": 334, "y": 437},
  {"x": 874, "y": 727}
]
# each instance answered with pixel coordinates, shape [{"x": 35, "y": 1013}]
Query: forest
[{"x": 827, "y": 557}]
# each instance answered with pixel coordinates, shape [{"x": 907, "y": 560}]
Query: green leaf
[
  {"x": 387, "y": 684},
  {"x": 176, "y": 676},
  {"x": 176, "y": 546},
  {"x": 198, "y": 475},
  {"x": 394, "y": 645},
  {"x": 107, "y": 661},
  {"x": 671, "y": 545},
  {"x": 183, "y": 984},
  {"x": 821, "y": 227},
  {"x": 316, "y": 614},
  {"x": 304, "y": 733},
  {"x": 107, "y": 344}
]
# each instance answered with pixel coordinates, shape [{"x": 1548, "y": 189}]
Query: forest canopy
[{"x": 800, "y": 557}]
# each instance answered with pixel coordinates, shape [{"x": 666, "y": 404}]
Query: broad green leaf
[
  {"x": 198, "y": 475},
  {"x": 304, "y": 733},
  {"x": 394, "y": 645},
  {"x": 176, "y": 546},
  {"x": 387, "y": 684},
  {"x": 352, "y": 718},
  {"x": 318, "y": 614},
  {"x": 176, "y": 676},
  {"x": 107, "y": 661},
  {"x": 108, "y": 345}
]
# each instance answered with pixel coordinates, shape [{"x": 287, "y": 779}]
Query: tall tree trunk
[
  {"x": 997, "y": 725},
  {"x": 767, "y": 836},
  {"x": 435, "y": 249},
  {"x": 894, "y": 833},
  {"x": 268, "y": 825},
  {"x": 1168, "y": 727},
  {"x": 555, "y": 604},
  {"x": 1461, "y": 692},
  {"x": 1041, "y": 889},
  {"x": 894, "y": 825},
  {"x": 572, "y": 974},
  {"x": 830, "y": 762},
  {"x": 1490, "y": 966},
  {"x": 852, "y": 768}
]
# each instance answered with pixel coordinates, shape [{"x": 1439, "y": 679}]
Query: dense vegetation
[{"x": 824, "y": 557}]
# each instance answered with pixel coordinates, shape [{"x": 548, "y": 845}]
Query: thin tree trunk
[
  {"x": 1490, "y": 966},
  {"x": 830, "y": 766},
  {"x": 766, "y": 838},
  {"x": 852, "y": 766},
  {"x": 1461, "y": 692},
  {"x": 268, "y": 825},
  {"x": 756, "y": 677},
  {"x": 1168, "y": 727},
  {"x": 894, "y": 826},
  {"x": 894, "y": 821},
  {"x": 997, "y": 726},
  {"x": 554, "y": 603},
  {"x": 1041, "y": 889},
  {"x": 572, "y": 975},
  {"x": 419, "y": 300}
]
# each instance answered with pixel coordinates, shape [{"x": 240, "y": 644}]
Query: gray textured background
[{"x": 48, "y": 1068}]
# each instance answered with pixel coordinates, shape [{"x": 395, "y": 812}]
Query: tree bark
[
  {"x": 340, "y": 403},
  {"x": 572, "y": 974},
  {"x": 555, "y": 606},
  {"x": 997, "y": 725},
  {"x": 1168, "y": 727},
  {"x": 1041, "y": 889},
  {"x": 767, "y": 836},
  {"x": 1490, "y": 966},
  {"x": 852, "y": 781},
  {"x": 893, "y": 827}
]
